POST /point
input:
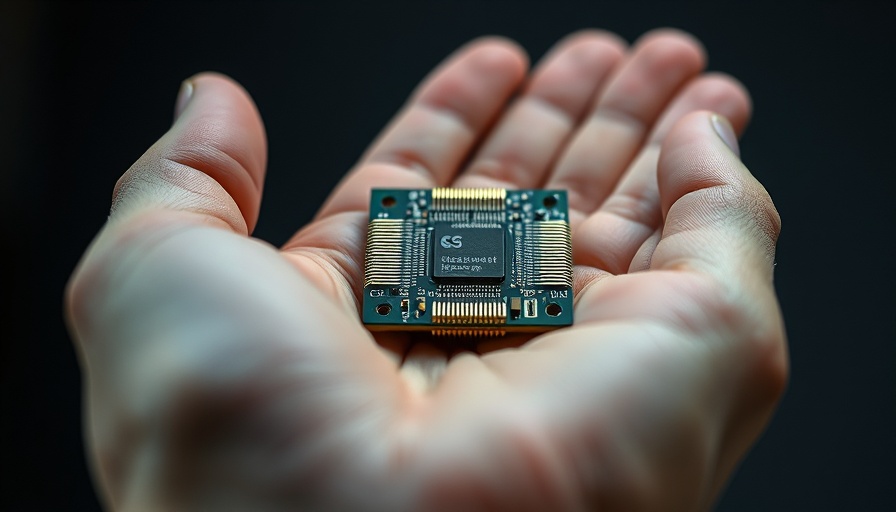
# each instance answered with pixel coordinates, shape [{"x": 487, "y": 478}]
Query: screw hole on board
[
  {"x": 388, "y": 202},
  {"x": 553, "y": 309},
  {"x": 384, "y": 309},
  {"x": 550, "y": 201}
]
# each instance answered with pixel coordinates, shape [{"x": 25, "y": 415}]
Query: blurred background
[{"x": 86, "y": 87}]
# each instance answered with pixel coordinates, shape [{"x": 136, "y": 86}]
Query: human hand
[{"x": 225, "y": 374}]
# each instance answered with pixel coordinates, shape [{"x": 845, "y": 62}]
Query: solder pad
[{"x": 468, "y": 261}]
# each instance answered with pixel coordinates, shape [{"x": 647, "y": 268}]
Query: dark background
[{"x": 85, "y": 88}]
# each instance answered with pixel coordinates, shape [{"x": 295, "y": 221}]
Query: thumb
[
  {"x": 720, "y": 222},
  {"x": 207, "y": 169},
  {"x": 211, "y": 161},
  {"x": 718, "y": 218}
]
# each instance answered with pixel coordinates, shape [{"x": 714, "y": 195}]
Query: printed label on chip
[{"x": 463, "y": 253}]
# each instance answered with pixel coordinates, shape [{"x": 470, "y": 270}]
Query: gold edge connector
[
  {"x": 383, "y": 255},
  {"x": 480, "y": 199},
  {"x": 463, "y": 313},
  {"x": 552, "y": 251},
  {"x": 469, "y": 332}
]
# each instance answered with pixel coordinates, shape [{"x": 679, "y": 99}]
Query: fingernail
[
  {"x": 726, "y": 133},
  {"x": 183, "y": 98}
]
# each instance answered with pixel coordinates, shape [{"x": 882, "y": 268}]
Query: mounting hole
[
  {"x": 384, "y": 309},
  {"x": 553, "y": 309},
  {"x": 549, "y": 201},
  {"x": 388, "y": 202}
]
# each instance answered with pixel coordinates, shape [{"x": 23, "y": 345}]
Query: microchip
[
  {"x": 468, "y": 262},
  {"x": 468, "y": 254}
]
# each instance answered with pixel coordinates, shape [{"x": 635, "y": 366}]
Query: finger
[
  {"x": 211, "y": 162},
  {"x": 188, "y": 331},
  {"x": 528, "y": 138},
  {"x": 715, "y": 92},
  {"x": 207, "y": 169},
  {"x": 718, "y": 218},
  {"x": 610, "y": 238},
  {"x": 662, "y": 61},
  {"x": 433, "y": 135},
  {"x": 721, "y": 222}
]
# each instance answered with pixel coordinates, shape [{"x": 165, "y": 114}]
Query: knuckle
[{"x": 754, "y": 205}]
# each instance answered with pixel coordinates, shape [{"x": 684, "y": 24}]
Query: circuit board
[{"x": 468, "y": 262}]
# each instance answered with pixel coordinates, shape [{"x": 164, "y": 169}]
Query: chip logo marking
[{"x": 451, "y": 242}]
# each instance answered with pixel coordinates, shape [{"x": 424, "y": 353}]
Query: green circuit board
[{"x": 468, "y": 262}]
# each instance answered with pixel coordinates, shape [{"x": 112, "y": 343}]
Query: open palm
[{"x": 223, "y": 373}]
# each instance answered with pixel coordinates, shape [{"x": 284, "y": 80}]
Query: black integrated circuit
[
  {"x": 468, "y": 254},
  {"x": 468, "y": 261}
]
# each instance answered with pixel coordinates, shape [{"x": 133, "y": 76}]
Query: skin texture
[{"x": 222, "y": 373}]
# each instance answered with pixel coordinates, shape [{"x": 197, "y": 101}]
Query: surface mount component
[{"x": 468, "y": 262}]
